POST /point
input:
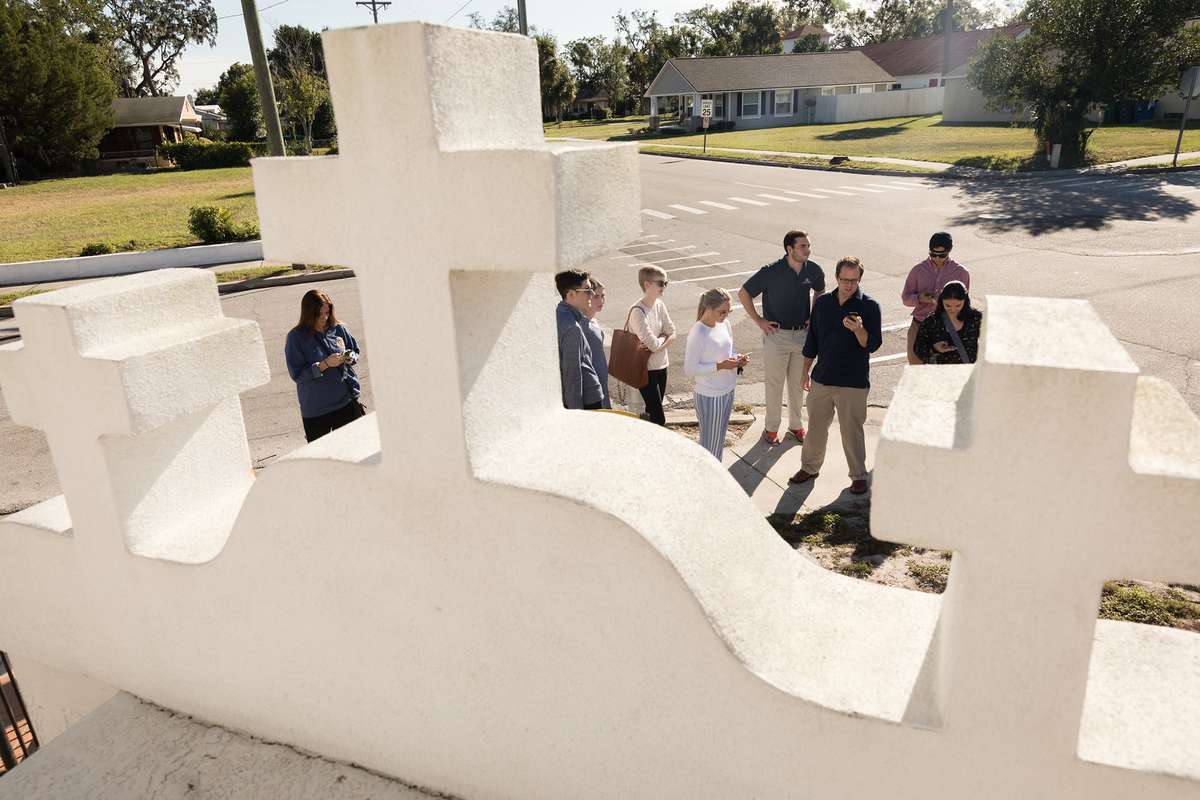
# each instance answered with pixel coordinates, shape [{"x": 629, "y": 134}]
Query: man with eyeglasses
[
  {"x": 926, "y": 281},
  {"x": 845, "y": 329},
  {"x": 580, "y": 383},
  {"x": 790, "y": 287}
]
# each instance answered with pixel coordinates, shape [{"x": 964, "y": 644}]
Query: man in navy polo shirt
[
  {"x": 843, "y": 332},
  {"x": 789, "y": 287}
]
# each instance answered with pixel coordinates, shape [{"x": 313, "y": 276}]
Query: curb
[
  {"x": 6, "y": 312},
  {"x": 953, "y": 172},
  {"x": 21, "y": 273}
]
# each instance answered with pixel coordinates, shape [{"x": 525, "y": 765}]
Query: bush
[
  {"x": 97, "y": 249},
  {"x": 214, "y": 225},
  {"x": 201, "y": 154},
  {"x": 601, "y": 113}
]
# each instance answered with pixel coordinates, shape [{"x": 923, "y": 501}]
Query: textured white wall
[{"x": 471, "y": 603}]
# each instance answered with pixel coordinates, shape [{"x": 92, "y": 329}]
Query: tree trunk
[{"x": 6, "y": 159}]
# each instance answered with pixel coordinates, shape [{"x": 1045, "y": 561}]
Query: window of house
[
  {"x": 896, "y": 87},
  {"x": 719, "y": 106},
  {"x": 826, "y": 90},
  {"x": 783, "y": 103},
  {"x": 868, "y": 89},
  {"x": 750, "y": 104},
  {"x": 881, "y": 87},
  {"x": 933, "y": 81}
]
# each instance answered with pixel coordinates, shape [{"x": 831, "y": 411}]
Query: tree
[
  {"x": 298, "y": 63},
  {"x": 303, "y": 92},
  {"x": 558, "y": 87},
  {"x": 599, "y": 67},
  {"x": 893, "y": 20},
  {"x": 1078, "y": 55},
  {"x": 507, "y": 20},
  {"x": 154, "y": 33},
  {"x": 208, "y": 97},
  {"x": 237, "y": 92},
  {"x": 648, "y": 45},
  {"x": 741, "y": 28},
  {"x": 56, "y": 95}
]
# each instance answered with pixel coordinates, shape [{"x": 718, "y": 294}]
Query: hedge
[{"x": 192, "y": 154}]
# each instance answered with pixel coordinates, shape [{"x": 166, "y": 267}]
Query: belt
[{"x": 789, "y": 327}]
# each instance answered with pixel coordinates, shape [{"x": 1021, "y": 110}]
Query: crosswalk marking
[
  {"x": 657, "y": 214},
  {"x": 835, "y": 191},
  {"x": 892, "y": 186},
  {"x": 656, "y": 241},
  {"x": 715, "y": 277},
  {"x": 896, "y": 327},
  {"x": 688, "y": 209},
  {"x": 715, "y": 204},
  {"x": 652, "y": 252},
  {"x": 806, "y": 194},
  {"x": 748, "y": 201},
  {"x": 779, "y": 197},
  {"x": 681, "y": 258},
  {"x": 702, "y": 266},
  {"x": 863, "y": 189},
  {"x": 907, "y": 186}
]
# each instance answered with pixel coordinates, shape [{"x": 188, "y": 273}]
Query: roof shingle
[
  {"x": 924, "y": 56},
  {"x": 782, "y": 71}
]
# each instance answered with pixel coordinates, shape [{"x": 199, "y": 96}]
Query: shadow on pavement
[{"x": 1004, "y": 204}]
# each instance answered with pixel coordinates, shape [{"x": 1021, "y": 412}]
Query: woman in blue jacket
[{"x": 320, "y": 354}]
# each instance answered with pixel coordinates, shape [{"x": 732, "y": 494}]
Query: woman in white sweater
[
  {"x": 711, "y": 360},
  {"x": 649, "y": 320}
]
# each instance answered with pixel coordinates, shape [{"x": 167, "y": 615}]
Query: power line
[
  {"x": 264, "y": 8},
  {"x": 460, "y": 8}
]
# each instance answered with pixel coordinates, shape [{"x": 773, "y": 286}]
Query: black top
[
  {"x": 841, "y": 360},
  {"x": 786, "y": 291},
  {"x": 933, "y": 329}
]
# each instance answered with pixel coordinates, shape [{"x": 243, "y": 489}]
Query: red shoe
[
  {"x": 798, "y": 433},
  {"x": 770, "y": 437}
]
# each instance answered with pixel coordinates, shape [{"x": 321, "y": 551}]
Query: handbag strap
[
  {"x": 629, "y": 316},
  {"x": 958, "y": 343}
]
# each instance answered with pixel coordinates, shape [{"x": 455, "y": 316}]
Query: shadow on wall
[{"x": 1028, "y": 205}]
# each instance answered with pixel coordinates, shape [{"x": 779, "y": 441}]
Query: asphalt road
[{"x": 1129, "y": 245}]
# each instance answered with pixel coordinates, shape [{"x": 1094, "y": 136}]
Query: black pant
[
  {"x": 316, "y": 427},
  {"x": 652, "y": 395}
]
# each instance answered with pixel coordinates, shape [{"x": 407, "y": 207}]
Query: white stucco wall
[
  {"x": 963, "y": 103},
  {"x": 446, "y": 592}
]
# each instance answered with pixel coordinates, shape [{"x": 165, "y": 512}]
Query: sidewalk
[{"x": 763, "y": 471}]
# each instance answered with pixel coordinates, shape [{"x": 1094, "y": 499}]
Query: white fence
[{"x": 878, "y": 105}]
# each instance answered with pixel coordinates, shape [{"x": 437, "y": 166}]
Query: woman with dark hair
[
  {"x": 321, "y": 354},
  {"x": 950, "y": 335}
]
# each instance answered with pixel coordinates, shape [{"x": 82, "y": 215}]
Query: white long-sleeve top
[
  {"x": 653, "y": 326},
  {"x": 705, "y": 348}
]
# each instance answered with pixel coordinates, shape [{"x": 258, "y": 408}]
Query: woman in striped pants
[{"x": 711, "y": 360}]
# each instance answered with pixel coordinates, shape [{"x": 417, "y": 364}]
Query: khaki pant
[
  {"x": 851, "y": 407},
  {"x": 783, "y": 362}
]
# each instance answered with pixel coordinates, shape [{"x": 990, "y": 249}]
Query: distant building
[
  {"x": 213, "y": 119},
  {"x": 793, "y": 38},
  {"x": 144, "y": 123}
]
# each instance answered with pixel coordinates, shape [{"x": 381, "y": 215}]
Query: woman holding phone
[
  {"x": 321, "y": 353},
  {"x": 711, "y": 360},
  {"x": 950, "y": 335}
]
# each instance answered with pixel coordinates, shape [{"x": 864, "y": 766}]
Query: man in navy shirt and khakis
[
  {"x": 789, "y": 287},
  {"x": 844, "y": 330}
]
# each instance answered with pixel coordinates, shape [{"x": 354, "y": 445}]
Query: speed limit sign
[{"x": 706, "y": 110}]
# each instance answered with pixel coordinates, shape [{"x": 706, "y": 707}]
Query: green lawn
[
  {"x": 918, "y": 138},
  {"x": 56, "y": 218}
]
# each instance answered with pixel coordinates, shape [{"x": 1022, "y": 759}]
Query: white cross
[
  {"x": 135, "y": 382},
  {"x": 442, "y": 169},
  {"x": 1025, "y": 467}
]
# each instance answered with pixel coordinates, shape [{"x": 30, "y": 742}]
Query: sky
[{"x": 201, "y": 66}]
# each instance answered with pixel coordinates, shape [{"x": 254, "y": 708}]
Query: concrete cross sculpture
[
  {"x": 144, "y": 425},
  {"x": 489, "y": 595},
  {"x": 1048, "y": 468}
]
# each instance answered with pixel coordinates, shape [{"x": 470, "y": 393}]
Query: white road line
[
  {"x": 652, "y": 252},
  {"x": 657, "y": 214},
  {"x": 779, "y": 197},
  {"x": 895, "y": 357},
  {"x": 702, "y": 266},
  {"x": 891, "y": 186},
  {"x": 835, "y": 191},
  {"x": 748, "y": 201},
  {"x": 650, "y": 244},
  {"x": 681, "y": 258},
  {"x": 806, "y": 194},
  {"x": 715, "y": 277},
  {"x": 908, "y": 186},
  {"x": 715, "y": 204},
  {"x": 862, "y": 189},
  {"x": 688, "y": 209},
  {"x": 897, "y": 327}
]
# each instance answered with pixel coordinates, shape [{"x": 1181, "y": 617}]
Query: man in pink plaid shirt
[{"x": 925, "y": 283}]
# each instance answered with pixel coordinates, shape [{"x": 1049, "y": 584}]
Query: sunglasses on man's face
[{"x": 939, "y": 256}]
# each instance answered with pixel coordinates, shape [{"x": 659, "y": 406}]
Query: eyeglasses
[
  {"x": 939, "y": 256},
  {"x": 849, "y": 280},
  {"x": 585, "y": 290},
  {"x": 663, "y": 284}
]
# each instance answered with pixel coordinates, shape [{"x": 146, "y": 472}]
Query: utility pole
[
  {"x": 948, "y": 32},
  {"x": 374, "y": 5},
  {"x": 522, "y": 20},
  {"x": 1191, "y": 80},
  {"x": 266, "y": 91}
]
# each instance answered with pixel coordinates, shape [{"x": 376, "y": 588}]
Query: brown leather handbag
[{"x": 628, "y": 357}]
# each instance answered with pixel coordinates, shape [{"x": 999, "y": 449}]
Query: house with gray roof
[{"x": 141, "y": 124}]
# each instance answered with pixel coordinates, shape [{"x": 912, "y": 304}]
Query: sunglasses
[
  {"x": 939, "y": 256},
  {"x": 660, "y": 283}
]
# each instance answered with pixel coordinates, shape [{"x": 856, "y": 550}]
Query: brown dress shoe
[
  {"x": 803, "y": 477},
  {"x": 858, "y": 487}
]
